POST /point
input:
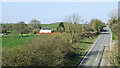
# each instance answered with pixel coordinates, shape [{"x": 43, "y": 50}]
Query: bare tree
[
  {"x": 72, "y": 27},
  {"x": 113, "y": 14},
  {"x": 74, "y": 19},
  {"x": 113, "y": 21}
]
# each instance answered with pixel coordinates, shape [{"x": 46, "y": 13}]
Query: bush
[
  {"x": 50, "y": 51},
  {"x": 54, "y": 31},
  {"x": 35, "y": 31},
  {"x": 60, "y": 29},
  {"x": 26, "y": 31},
  {"x": 44, "y": 51},
  {"x": 4, "y": 30},
  {"x": 16, "y": 57}
]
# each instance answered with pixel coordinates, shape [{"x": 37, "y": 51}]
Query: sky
[{"x": 51, "y": 12}]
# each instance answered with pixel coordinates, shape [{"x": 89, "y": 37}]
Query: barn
[{"x": 45, "y": 30}]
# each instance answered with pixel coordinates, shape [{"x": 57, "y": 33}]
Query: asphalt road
[{"x": 94, "y": 55}]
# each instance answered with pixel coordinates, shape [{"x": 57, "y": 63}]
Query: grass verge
[
  {"x": 82, "y": 48},
  {"x": 114, "y": 37}
]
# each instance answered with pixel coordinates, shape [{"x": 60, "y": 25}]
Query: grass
[
  {"x": 114, "y": 37},
  {"x": 11, "y": 41},
  {"x": 83, "y": 47}
]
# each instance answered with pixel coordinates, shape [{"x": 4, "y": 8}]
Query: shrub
[
  {"x": 44, "y": 51},
  {"x": 35, "y": 31},
  {"x": 16, "y": 57},
  {"x": 4, "y": 30},
  {"x": 50, "y": 51},
  {"x": 60, "y": 29}
]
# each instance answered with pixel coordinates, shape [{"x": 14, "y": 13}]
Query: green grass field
[
  {"x": 11, "y": 40},
  {"x": 15, "y": 40}
]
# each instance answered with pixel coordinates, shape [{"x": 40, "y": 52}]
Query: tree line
[
  {"x": 113, "y": 23},
  {"x": 22, "y": 28}
]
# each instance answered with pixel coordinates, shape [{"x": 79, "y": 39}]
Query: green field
[
  {"x": 11, "y": 41},
  {"x": 15, "y": 40}
]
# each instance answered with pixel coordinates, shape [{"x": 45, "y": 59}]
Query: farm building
[{"x": 45, "y": 30}]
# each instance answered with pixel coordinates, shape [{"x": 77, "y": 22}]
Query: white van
[{"x": 45, "y": 30}]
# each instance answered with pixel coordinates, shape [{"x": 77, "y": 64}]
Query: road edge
[{"x": 79, "y": 64}]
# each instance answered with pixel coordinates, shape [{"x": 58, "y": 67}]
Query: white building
[{"x": 45, "y": 30}]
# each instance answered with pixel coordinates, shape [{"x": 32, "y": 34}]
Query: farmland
[
  {"x": 15, "y": 41},
  {"x": 59, "y": 34},
  {"x": 66, "y": 46}
]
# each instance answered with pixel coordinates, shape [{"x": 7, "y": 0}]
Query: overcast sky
[{"x": 50, "y": 12}]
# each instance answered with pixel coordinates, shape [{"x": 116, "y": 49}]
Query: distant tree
[
  {"x": 35, "y": 31},
  {"x": 72, "y": 26},
  {"x": 35, "y": 24},
  {"x": 20, "y": 28},
  {"x": 61, "y": 24},
  {"x": 113, "y": 21},
  {"x": 113, "y": 14},
  {"x": 74, "y": 19},
  {"x": 4, "y": 30},
  {"x": 97, "y": 25},
  {"x": 61, "y": 27}
]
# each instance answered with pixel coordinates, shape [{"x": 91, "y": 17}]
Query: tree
[
  {"x": 72, "y": 26},
  {"x": 97, "y": 25},
  {"x": 20, "y": 27},
  {"x": 113, "y": 21},
  {"x": 74, "y": 19},
  {"x": 61, "y": 27},
  {"x": 4, "y": 31},
  {"x": 35, "y": 24},
  {"x": 113, "y": 14}
]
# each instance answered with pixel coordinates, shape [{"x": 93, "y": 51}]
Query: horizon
[{"x": 50, "y": 12}]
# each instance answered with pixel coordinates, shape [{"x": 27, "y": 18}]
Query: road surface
[{"x": 94, "y": 55}]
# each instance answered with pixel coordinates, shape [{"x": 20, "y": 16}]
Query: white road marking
[
  {"x": 93, "y": 46},
  {"x": 89, "y": 51},
  {"x": 100, "y": 48},
  {"x": 96, "y": 59}
]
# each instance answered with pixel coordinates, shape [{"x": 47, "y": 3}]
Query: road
[{"x": 94, "y": 55}]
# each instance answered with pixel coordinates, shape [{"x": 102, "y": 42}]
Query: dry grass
[{"x": 112, "y": 54}]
